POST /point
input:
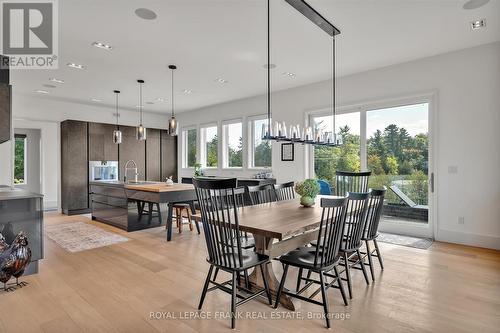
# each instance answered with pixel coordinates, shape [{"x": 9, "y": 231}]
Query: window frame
[
  {"x": 225, "y": 146},
  {"x": 203, "y": 146},
  {"x": 251, "y": 143},
  {"x": 184, "y": 138}
]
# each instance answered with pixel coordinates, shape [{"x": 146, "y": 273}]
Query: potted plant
[
  {"x": 308, "y": 190},
  {"x": 197, "y": 170}
]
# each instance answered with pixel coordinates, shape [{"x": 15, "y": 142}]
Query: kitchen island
[
  {"x": 126, "y": 205},
  {"x": 23, "y": 211}
]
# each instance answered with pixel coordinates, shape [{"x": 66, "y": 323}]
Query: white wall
[
  {"x": 467, "y": 86},
  {"x": 32, "y": 112}
]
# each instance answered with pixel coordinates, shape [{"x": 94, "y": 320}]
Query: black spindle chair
[
  {"x": 320, "y": 259},
  {"x": 284, "y": 191},
  {"x": 375, "y": 206},
  {"x": 261, "y": 194},
  {"x": 351, "y": 182},
  {"x": 219, "y": 216}
]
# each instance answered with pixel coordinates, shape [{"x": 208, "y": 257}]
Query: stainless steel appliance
[{"x": 103, "y": 170}]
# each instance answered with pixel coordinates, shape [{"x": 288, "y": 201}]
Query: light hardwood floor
[{"x": 447, "y": 288}]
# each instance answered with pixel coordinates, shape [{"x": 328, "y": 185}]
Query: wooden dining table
[{"x": 279, "y": 227}]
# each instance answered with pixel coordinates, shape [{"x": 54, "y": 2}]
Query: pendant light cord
[
  {"x": 333, "y": 89},
  {"x": 172, "y": 95},
  {"x": 269, "y": 68},
  {"x": 117, "y": 115},
  {"x": 140, "y": 101}
]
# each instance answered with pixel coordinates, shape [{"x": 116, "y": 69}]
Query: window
[
  {"x": 233, "y": 144},
  {"x": 327, "y": 160},
  {"x": 20, "y": 159},
  {"x": 209, "y": 146},
  {"x": 260, "y": 150},
  {"x": 189, "y": 138}
]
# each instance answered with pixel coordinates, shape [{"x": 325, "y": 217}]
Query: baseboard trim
[{"x": 451, "y": 236}]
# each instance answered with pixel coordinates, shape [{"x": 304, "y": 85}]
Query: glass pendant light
[
  {"x": 172, "y": 123},
  {"x": 117, "y": 134},
  {"x": 141, "y": 130}
]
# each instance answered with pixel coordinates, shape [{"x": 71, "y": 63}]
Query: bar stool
[
  {"x": 179, "y": 210},
  {"x": 153, "y": 210}
]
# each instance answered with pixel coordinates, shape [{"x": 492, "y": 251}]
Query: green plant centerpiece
[
  {"x": 308, "y": 190},
  {"x": 197, "y": 170}
]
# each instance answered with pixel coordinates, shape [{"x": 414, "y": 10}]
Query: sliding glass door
[{"x": 394, "y": 143}]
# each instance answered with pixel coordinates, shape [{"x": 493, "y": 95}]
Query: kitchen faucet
[{"x": 134, "y": 170}]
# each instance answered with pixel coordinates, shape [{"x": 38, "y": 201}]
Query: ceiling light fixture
[
  {"x": 102, "y": 46},
  {"x": 40, "y": 91},
  {"x": 221, "y": 80},
  {"x": 76, "y": 66},
  {"x": 161, "y": 99},
  {"x": 172, "y": 123},
  {"x": 53, "y": 79},
  {"x": 141, "y": 130},
  {"x": 289, "y": 74},
  {"x": 187, "y": 91},
  {"x": 150, "y": 103},
  {"x": 49, "y": 86},
  {"x": 478, "y": 24},
  {"x": 473, "y": 4},
  {"x": 97, "y": 100},
  {"x": 294, "y": 134},
  {"x": 145, "y": 14},
  {"x": 117, "y": 134}
]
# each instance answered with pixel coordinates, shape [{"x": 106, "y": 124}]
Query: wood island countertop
[{"x": 160, "y": 187}]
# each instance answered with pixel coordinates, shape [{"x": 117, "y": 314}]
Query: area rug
[
  {"x": 419, "y": 243},
  {"x": 80, "y": 236}
]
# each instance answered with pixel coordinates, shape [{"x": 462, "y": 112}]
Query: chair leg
[
  {"x": 370, "y": 259},
  {"x": 233, "y": 300},
  {"x": 247, "y": 281},
  {"x": 205, "y": 287},
  {"x": 299, "y": 279},
  {"x": 363, "y": 268},
  {"x": 189, "y": 219},
  {"x": 348, "y": 274},
  {"x": 325, "y": 298},
  {"x": 216, "y": 272},
  {"x": 341, "y": 286},
  {"x": 379, "y": 255},
  {"x": 280, "y": 289},
  {"x": 193, "y": 211},
  {"x": 266, "y": 285}
]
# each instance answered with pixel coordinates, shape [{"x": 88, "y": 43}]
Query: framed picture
[{"x": 287, "y": 151}]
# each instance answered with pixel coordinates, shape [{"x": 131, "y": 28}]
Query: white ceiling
[{"x": 208, "y": 39}]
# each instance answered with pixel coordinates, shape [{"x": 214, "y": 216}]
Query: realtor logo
[{"x": 29, "y": 34}]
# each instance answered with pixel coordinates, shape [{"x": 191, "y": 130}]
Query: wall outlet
[
  {"x": 452, "y": 169},
  {"x": 461, "y": 220}
]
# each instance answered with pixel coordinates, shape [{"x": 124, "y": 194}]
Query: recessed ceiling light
[
  {"x": 40, "y": 91},
  {"x": 478, "y": 24},
  {"x": 473, "y": 4},
  {"x": 161, "y": 99},
  {"x": 102, "y": 46},
  {"x": 150, "y": 103},
  {"x": 138, "y": 106},
  {"x": 221, "y": 80},
  {"x": 53, "y": 79},
  {"x": 97, "y": 100},
  {"x": 73, "y": 65},
  {"x": 187, "y": 91},
  {"x": 289, "y": 74},
  {"x": 271, "y": 66},
  {"x": 145, "y": 14},
  {"x": 49, "y": 86}
]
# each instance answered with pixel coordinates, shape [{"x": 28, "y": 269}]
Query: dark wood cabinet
[
  {"x": 153, "y": 154},
  {"x": 132, "y": 149},
  {"x": 168, "y": 156},
  {"x": 74, "y": 167},
  {"x": 5, "y": 112},
  {"x": 101, "y": 146}
]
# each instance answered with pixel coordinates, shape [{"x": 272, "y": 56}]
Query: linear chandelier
[{"x": 279, "y": 130}]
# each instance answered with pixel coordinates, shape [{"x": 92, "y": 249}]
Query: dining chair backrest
[
  {"x": 357, "y": 206},
  {"x": 330, "y": 231},
  {"x": 324, "y": 187},
  {"x": 375, "y": 206},
  {"x": 219, "y": 215},
  {"x": 284, "y": 191},
  {"x": 261, "y": 194},
  {"x": 351, "y": 182}
]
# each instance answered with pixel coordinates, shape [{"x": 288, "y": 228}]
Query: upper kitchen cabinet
[
  {"x": 5, "y": 112},
  {"x": 101, "y": 146},
  {"x": 153, "y": 151},
  {"x": 132, "y": 149},
  {"x": 74, "y": 167},
  {"x": 168, "y": 156}
]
